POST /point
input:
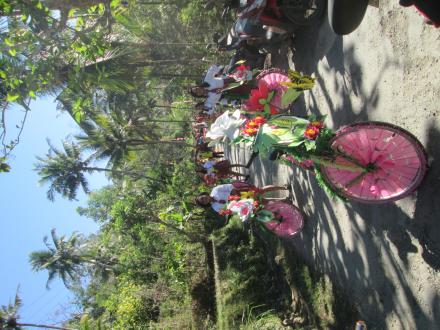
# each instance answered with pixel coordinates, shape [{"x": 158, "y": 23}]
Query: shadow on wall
[{"x": 376, "y": 230}]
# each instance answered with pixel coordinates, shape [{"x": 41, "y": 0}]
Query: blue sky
[{"x": 26, "y": 215}]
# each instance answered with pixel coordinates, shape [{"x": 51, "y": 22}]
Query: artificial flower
[
  {"x": 242, "y": 67},
  {"x": 225, "y": 212},
  {"x": 259, "y": 120},
  {"x": 242, "y": 73},
  {"x": 250, "y": 131},
  {"x": 311, "y": 132},
  {"x": 247, "y": 194},
  {"x": 317, "y": 123},
  {"x": 243, "y": 208},
  {"x": 225, "y": 126},
  {"x": 260, "y": 99},
  {"x": 251, "y": 124}
]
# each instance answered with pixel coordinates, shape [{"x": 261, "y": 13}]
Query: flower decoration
[
  {"x": 260, "y": 99},
  {"x": 226, "y": 126},
  {"x": 313, "y": 129},
  {"x": 225, "y": 212},
  {"x": 242, "y": 73},
  {"x": 244, "y": 208},
  {"x": 247, "y": 194},
  {"x": 252, "y": 126}
]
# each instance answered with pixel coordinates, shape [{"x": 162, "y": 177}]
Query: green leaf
[
  {"x": 289, "y": 96},
  {"x": 9, "y": 42},
  {"x": 78, "y": 116},
  {"x": 12, "y": 97},
  {"x": 270, "y": 96},
  {"x": 264, "y": 216},
  {"x": 296, "y": 143},
  {"x": 71, "y": 12},
  {"x": 2, "y": 74},
  {"x": 288, "y": 121},
  {"x": 233, "y": 85},
  {"x": 32, "y": 94},
  {"x": 310, "y": 145},
  {"x": 39, "y": 5},
  {"x": 12, "y": 51},
  {"x": 4, "y": 167}
]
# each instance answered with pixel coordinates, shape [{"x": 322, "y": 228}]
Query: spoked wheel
[
  {"x": 303, "y": 12},
  {"x": 396, "y": 159},
  {"x": 291, "y": 220}
]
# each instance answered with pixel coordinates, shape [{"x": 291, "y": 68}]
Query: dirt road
[{"x": 386, "y": 257}]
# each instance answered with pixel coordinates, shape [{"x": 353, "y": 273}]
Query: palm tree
[
  {"x": 116, "y": 138},
  {"x": 65, "y": 171},
  {"x": 64, "y": 258},
  {"x": 9, "y": 317},
  {"x": 70, "y": 259}
]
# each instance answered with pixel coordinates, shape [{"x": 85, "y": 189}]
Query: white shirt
[
  {"x": 210, "y": 77},
  {"x": 214, "y": 83},
  {"x": 221, "y": 192}
]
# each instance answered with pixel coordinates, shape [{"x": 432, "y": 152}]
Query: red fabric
[
  {"x": 269, "y": 20},
  {"x": 272, "y": 5}
]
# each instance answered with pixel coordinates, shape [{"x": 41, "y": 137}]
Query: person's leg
[
  {"x": 237, "y": 165},
  {"x": 268, "y": 199},
  {"x": 237, "y": 173}
]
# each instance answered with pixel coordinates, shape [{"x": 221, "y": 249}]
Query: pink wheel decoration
[
  {"x": 396, "y": 158},
  {"x": 273, "y": 78},
  {"x": 291, "y": 222}
]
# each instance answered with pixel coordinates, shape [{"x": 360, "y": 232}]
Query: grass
[{"x": 261, "y": 283}]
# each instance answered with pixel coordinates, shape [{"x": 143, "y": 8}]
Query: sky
[{"x": 26, "y": 216}]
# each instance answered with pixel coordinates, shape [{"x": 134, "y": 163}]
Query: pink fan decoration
[{"x": 273, "y": 78}]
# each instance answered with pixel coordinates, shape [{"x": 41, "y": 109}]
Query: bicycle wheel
[
  {"x": 291, "y": 222},
  {"x": 397, "y": 159}
]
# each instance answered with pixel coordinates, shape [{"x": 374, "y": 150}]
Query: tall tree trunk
[
  {"x": 191, "y": 237},
  {"x": 139, "y": 175},
  {"x": 69, "y": 4}
]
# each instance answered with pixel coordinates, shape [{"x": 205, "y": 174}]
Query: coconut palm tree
[
  {"x": 71, "y": 258},
  {"x": 65, "y": 171},
  {"x": 9, "y": 318},
  {"x": 64, "y": 258},
  {"x": 116, "y": 138}
]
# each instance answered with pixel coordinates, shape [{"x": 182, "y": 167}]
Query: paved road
[{"x": 386, "y": 257}]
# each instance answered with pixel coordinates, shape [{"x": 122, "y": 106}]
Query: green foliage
[
  {"x": 131, "y": 308},
  {"x": 248, "y": 276},
  {"x": 289, "y": 97},
  {"x": 4, "y": 167}
]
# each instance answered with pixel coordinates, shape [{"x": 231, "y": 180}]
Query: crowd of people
[{"x": 226, "y": 178}]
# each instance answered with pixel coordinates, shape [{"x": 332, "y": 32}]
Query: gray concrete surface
[{"x": 385, "y": 257}]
